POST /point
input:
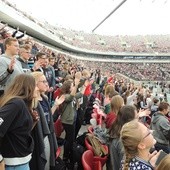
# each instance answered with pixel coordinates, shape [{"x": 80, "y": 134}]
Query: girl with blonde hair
[
  {"x": 137, "y": 140},
  {"x": 44, "y": 135}
]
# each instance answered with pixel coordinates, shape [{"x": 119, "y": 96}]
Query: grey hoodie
[{"x": 161, "y": 126}]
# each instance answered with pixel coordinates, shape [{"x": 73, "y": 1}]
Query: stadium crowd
[
  {"x": 39, "y": 87},
  {"x": 134, "y": 44}
]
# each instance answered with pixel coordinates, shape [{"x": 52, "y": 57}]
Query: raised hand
[
  {"x": 60, "y": 100},
  {"x": 153, "y": 157},
  {"x": 12, "y": 64}
]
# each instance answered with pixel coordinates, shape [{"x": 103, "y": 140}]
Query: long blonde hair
[
  {"x": 37, "y": 75},
  {"x": 23, "y": 87},
  {"x": 131, "y": 136}
]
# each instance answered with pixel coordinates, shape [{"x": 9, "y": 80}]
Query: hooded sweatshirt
[{"x": 161, "y": 127}]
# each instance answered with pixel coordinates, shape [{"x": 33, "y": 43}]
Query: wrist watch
[{"x": 1, "y": 158}]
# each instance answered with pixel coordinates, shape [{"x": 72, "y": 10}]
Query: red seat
[
  {"x": 89, "y": 163},
  {"x": 97, "y": 158}
]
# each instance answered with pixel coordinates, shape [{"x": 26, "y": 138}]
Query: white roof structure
[{"x": 134, "y": 17}]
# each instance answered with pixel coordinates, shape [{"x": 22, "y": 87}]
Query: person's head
[
  {"x": 164, "y": 164},
  {"x": 140, "y": 98},
  {"x": 137, "y": 140},
  {"x": 25, "y": 52},
  {"x": 66, "y": 66},
  {"x": 125, "y": 114},
  {"x": 164, "y": 108},
  {"x": 155, "y": 100},
  {"x": 45, "y": 64},
  {"x": 40, "y": 57},
  {"x": 51, "y": 61},
  {"x": 41, "y": 81},
  {"x": 23, "y": 86},
  {"x": 116, "y": 103},
  {"x": 110, "y": 91},
  {"x": 86, "y": 73},
  {"x": 66, "y": 87},
  {"x": 127, "y": 93},
  {"x": 11, "y": 46}
]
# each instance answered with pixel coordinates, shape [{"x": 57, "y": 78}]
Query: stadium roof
[{"x": 134, "y": 17}]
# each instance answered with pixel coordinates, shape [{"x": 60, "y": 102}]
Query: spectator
[
  {"x": 40, "y": 58},
  {"x": 45, "y": 140},
  {"x": 161, "y": 126},
  {"x": 137, "y": 141},
  {"x": 9, "y": 66},
  {"x": 126, "y": 114},
  {"x": 16, "y": 143},
  {"x": 109, "y": 93},
  {"x": 50, "y": 76},
  {"x": 24, "y": 55},
  {"x": 116, "y": 103},
  {"x": 69, "y": 115}
]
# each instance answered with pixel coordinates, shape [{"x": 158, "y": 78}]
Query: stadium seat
[
  {"x": 89, "y": 163},
  {"x": 97, "y": 158}
]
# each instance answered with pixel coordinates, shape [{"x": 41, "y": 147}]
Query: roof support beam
[{"x": 109, "y": 14}]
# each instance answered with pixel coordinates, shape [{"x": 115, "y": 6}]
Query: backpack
[
  {"x": 78, "y": 151},
  {"x": 59, "y": 165}
]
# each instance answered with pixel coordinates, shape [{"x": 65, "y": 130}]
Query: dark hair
[
  {"x": 155, "y": 100},
  {"x": 125, "y": 114},
  {"x": 65, "y": 89},
  {"x": 39, "y": 55},
  {"x": 163, "y": 105}
]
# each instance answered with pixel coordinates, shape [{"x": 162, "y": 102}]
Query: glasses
[
  {"x": 44, "y": 81},
  {"x": 149, "y": 133}
]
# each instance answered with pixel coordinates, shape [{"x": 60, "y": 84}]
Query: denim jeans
[{"x": 18, "y": 167}]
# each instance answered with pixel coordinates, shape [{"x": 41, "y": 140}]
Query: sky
[{"x": 134, "y": 17}]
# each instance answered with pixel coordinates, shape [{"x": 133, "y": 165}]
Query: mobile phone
[{"x": 160, "y": 157}]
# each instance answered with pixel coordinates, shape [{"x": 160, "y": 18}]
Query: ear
[
  {"x": 7, "y": 46},
  {"x": 141, "y": 146}
]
